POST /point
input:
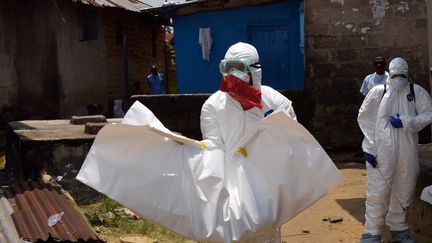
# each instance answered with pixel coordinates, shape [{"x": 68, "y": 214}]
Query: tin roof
[
  {"x": 191, "y": 7},
  {"x": 33, "y": 203},
  {"x": 131, "y": 5}
]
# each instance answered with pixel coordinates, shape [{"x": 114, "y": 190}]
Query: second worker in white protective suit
[
  {"x": 241, "y": 102},
  {"x": 390, "y": 118}
]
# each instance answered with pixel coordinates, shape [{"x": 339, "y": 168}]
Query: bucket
[
  {"x": 136, "y": 238},
  {"x": 94, "y": 109}
]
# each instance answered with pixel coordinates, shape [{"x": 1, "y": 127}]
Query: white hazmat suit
[
  {"x": 223, "y": 120},
  {"x": 395, "y": 149}
]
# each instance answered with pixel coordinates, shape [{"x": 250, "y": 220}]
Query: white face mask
[
  {"x": 399, "y": 82},
  {"x": 241, "y": 75}
]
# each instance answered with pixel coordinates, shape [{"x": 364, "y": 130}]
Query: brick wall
[
  {"x": 341, "y": 38},
  {"x": 140, "y": 55}
]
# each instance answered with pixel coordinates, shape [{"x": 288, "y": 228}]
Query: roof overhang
[
  {"x": 198, "y": 6},
  {"x": 130, "y": 5}
]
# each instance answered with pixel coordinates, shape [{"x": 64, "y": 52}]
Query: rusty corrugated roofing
[
  {"x": 131, "y": 5},
  {"x": 33, "y": 203}
]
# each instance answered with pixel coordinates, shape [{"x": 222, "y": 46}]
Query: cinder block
[
  {"x": 93, "y": 128},
  {"x": 81, "y": 120}
]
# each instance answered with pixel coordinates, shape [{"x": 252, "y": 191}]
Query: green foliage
[{"x": 108, "y": 205}]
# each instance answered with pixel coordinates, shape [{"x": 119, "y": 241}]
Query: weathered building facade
[
  {"x": 341, "y": 39},
  {"x": 56, "y": 57},
  {"x": 47, "y": 66}
]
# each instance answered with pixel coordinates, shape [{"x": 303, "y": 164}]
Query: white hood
[{"x": 244, "y": 50}]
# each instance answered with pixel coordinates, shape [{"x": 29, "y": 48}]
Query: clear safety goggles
[
  {"x": 397, "y": 75},
  {"x": 244, "y": 65}
]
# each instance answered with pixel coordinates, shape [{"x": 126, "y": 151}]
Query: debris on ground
[
  {"x": 335, "y": 219},
  {"x": 108, "y": 215},
  {"x": 45, "y": 177},
  {"x": 125, "y": 212},
  {"x": 306, "y": 231},
  {"x": 94, "y": 219}
]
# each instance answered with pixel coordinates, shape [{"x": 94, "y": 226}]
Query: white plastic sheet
[
  {"x": 426, "y": 194},
  {"x": 8, "y": 232},
  {"x": 206, "y": 194}
]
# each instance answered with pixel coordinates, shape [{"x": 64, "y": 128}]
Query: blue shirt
[
  {"x": 156, "y": 83},
  {"x": 372, "y": 80}
]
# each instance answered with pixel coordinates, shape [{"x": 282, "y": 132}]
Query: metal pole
[
  {"x": 126, "y": 73},
  {"x": 391, "y": 189}
]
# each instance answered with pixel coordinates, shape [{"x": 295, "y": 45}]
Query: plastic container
[
  {"x": 94, "y": 109},
  {"x": 136, "y": 238}
]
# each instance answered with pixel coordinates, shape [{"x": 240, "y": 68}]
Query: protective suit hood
[
  {"x": 397, "y": 67},
  {"x": 244, "y": 50}
]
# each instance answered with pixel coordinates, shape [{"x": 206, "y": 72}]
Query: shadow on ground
[{"x": 354, "y": 206}]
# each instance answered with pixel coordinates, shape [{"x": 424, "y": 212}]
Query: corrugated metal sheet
[
  {"x": 33, "y": 203},
  {"x": 131, "y": 5}
]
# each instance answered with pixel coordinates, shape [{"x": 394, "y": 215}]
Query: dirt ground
[{"x": 348, "y": 202}]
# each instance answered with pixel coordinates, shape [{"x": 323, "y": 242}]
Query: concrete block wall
[
  {"x": 420, "y": 212},
  {"x": 61, "y": 157},
  {"x": 341, "y": 39},
  {"x": 181, "y": 112}
]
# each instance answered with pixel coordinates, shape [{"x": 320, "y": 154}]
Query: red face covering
[{"x": 246, "y": 94}]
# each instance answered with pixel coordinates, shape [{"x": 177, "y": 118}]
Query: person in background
[
  {"x": 156, "y": 81},
  {"x": 378, "y": 77},
  {"x": 390, "y": 118}
]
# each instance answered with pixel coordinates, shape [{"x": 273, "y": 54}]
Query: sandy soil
[{"x": 347, "y": 201}]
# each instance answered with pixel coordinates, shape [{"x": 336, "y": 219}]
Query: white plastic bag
[{"x": 206, "y": 194}]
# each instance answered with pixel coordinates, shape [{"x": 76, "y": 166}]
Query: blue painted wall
[{"x": 195, "y": 75}]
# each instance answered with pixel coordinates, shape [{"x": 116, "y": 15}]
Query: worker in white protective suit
[
  {"x": 241, "y": 102},
  {"x": 255, "y": 170},
  {"x": 390, "y": 118}
]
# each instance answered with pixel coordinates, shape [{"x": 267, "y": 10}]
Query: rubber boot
[
  {"x": 369, "y": 238},
  {"x": 403, "y": 236}
]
